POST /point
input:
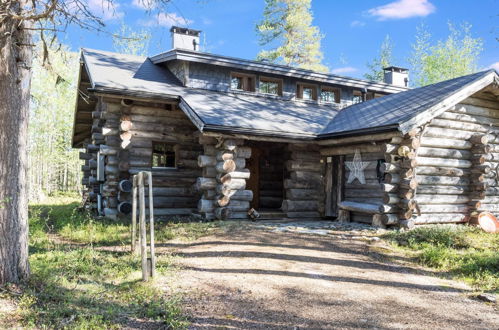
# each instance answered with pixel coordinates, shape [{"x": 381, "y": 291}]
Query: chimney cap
[
  {"x": 182, "y": 30},
  {"x": 395, "y": 69}
]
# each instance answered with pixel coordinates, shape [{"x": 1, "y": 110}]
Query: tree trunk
[{"x": 15, "y": 78}]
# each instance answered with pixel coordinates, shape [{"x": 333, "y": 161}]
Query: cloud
[
  {"x": 495, "y": 66},
  {"x": 207, "y": 21},
  {"x": 357, "y": 23},
  {"x": 167, "y": 20},
  {"x": 145, "y": 4},
  {"x": 402, "y": 9},
  {"x": 105, "y": 9},
  {"x": 345, "y": 69}
]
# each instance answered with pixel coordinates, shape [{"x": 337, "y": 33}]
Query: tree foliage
[
  {"x": 52, "y": 163},
  {"x": 129, "y": 41},
  {"x": 287, "y": 27},
  {"x": 453, "y": 57},
  {"x": 382, "y": 60}
]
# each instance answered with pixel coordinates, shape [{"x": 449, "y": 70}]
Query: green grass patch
[
  {"x": 465, "y": 252},
  {"x": 82, "y": 278}
]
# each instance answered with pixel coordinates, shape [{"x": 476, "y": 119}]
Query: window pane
[
  {"x": 236, "y": 83},
  {"x": 269, "y": 87},
  {"x": 308, "y": 93},
  {"x": 328, "y": 96},
  {"x": 163, "y": 155},
  {"x": 357, "y": 99}
]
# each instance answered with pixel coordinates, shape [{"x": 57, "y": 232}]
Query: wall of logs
[
  {"x": 223, "y": 180},
  {"x": 123, "y": 134},
  {"x": 304, "y": 187}
]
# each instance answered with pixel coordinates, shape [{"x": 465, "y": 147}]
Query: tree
[
  {"x": 450, "y": 58},
  {"x": 287, "y": 25},
  {"x": 382, "y": 60},
  {"x": 134, "y": 43},
  {"x": 19, "y": 19},
  {"x": 52, "y": 164}
]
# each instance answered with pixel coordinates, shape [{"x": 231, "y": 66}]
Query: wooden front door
[{"x": 253, "y": 183}]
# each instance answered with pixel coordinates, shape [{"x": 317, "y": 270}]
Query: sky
[{"x": 353, "y": 30}]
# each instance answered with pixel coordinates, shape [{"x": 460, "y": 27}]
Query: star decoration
[{"x": 356, "y": 168}]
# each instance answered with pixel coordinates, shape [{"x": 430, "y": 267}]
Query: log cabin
[{"x": 228, "y": 138}]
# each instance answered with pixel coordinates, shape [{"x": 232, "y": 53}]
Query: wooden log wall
[
  {"x": 124, "y": 131},
  {"x": 223, "y": 179},
  {"x": 380, "y": 190},
  {"x": 272, "y": 168},
  {"x": 304, "y": 188},
  {"x": 455, "y": 168}
]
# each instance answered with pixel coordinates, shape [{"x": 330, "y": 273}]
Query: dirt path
[{"x": 254, "y": 278}]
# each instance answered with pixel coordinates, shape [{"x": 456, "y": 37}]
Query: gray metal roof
[
  {"x": 396, "y": 109},
  {"x": 256, "y": 115}
]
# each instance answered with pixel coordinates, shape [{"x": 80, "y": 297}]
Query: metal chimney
[{"x": 396, "y": 76}]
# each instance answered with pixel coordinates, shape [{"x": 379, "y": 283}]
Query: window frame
[
  {"x": 299, "y": 91},
  {"x": 354, "y": 95},
  {"x": 337, "y": 94},
  {"x": 174, "y": 155},
  {"x": 279, "y": 82},
  {"x": 249, "y": 82}
]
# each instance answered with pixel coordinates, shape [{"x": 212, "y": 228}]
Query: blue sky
[{"x": 353, "y": 29}]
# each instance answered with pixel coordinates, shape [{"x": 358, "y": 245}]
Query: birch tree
[
  {"x": 453, "y": 57},
  {"x": 287, "y": 29},
  {"x": 382, "y": 60}
]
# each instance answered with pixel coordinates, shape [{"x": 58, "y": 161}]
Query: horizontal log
[
  {"x": 431, "y": 161},
  {"x": 209, "y": 172},
  {"x": 439, "y": 171},
  {"x": 171, "y": 191},
  {"x": 389, "y": 219},
  {"x": 293, "y": 165},
  {"x": 358, "y": 139},
  {"x": 205, "y": 205},
  {"x": 442, "y": 180},
  {"x": 359, "y": 207},
  {"x": 172, "y": 211},
  {"x": 444, "y": 153},
  {"x": 85, "y": 156},
  {"x": 443, "y": 208},
  {"x": 205, "y": 183},
  {"x": 445, "y": 143},
  {"x": 391, "y": 199},
  {"x": 300, "y": 184},
  {"x": 241, "y": 174},
  {"x": 389, "y": 168},
  {"x": 234, "y": 184},
  {"x": 306, "y": 176},
  {"x": 441, "y": 199},
  {"x": 445, "y": 190},
  {"x": 293, "y": 206},
  {"x": 439, "y": 132},
  {"x": 434, "y": 218},
  {"x": 302, "y": 194},
  {"x": 106, "y": 150},
  {"x": 345, "y": 150}
]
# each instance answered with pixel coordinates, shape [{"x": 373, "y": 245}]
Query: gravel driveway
[{"x": 292, "y": 276}]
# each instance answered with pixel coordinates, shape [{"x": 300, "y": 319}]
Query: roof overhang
[{"x": 242, "y": 64}]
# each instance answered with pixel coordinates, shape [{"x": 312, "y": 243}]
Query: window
[
  {"x": 306, "y": 92},
  {"x": 270, "y": 86},
  {"x": 357, "y": 97},
  {"x": 330, "y": 95},
  {"x": 242, "y": 82},
  {"x": 163, "y": 155}
]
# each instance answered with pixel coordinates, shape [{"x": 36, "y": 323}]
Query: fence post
[
  {"x": 134, "y": 214},
  {"x": 143, "y": 234},
  {"x": 151, "y": 224}
]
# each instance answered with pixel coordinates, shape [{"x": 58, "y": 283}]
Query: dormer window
[
  {"x": 242, "y": 82},
  {"x": 330, "y": 95},
  {"x": 306, "y": 92},
  {"x": 357, "y": 97},
  {"x": 270, "y": 86}
]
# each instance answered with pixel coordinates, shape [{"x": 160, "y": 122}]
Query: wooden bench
[{"x": 345, "y": 207}]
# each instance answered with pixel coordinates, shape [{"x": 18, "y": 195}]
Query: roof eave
[{"x": 363, "y": 131}]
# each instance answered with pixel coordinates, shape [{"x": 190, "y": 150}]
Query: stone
[{"x": 487, "y": 297}]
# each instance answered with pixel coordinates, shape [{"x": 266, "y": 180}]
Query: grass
[
  {"x": 82, "y": 277},
  {"x": 465, "y": 252}
]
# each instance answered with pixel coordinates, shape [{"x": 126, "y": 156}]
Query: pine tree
[
  {"x": 450, "y": 58},
  {"x": 383, "y": 60},
  {"x": 287, "y": 27}
]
